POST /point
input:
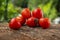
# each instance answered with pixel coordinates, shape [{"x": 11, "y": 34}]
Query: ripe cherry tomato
[
  {"x": 31, "y": 22},
  {"x": 37, "y": 13},
  {"x": 26, "y": 13},
  {"x": 14, "y": 24},
  {"x": 21, "y": 19},
  {"x": 44, "y": 23}
]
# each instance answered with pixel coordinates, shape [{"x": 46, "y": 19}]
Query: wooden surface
[{"x": 26, "y": 33}]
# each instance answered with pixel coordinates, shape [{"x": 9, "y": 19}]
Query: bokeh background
[{"x": 12, "y": 8}]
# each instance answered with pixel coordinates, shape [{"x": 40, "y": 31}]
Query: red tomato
[
  {"x": 44, "y": 23},
  {"x": 31, "y": 22},
  {"x": 37, "y": 13},
  {"x": 14, "y": 24},
  {"x": 26, "y": 13},
  {"x": 21, "y": 19}
]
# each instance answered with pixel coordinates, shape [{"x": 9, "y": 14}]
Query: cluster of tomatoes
[{"x": 31, "y": 19}]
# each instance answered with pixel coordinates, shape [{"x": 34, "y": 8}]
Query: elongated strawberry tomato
[
  {"x": 44, "y": 23},
  {"x": 21, "y": 19},
  {"x": 26, "y": 13},
  {"x": 37, "y": 13},
  {"x": 31, "y": 22},
  {"x": 14, "y": 24}
]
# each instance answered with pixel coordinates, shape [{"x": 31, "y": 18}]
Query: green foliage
[
  {"x": 47, "y": 6},
  {"x": 53, "y": 13},
  {"x": 17, "y": 2},
  {"x": 2, "y": 8},
  {"x": 49, "y": 10},
  {"x": 12, "y": 11},
  {"x": 14, "y": 7},
  {"x": 1, "y": 2},
  {"x": 1, "y": 13}
]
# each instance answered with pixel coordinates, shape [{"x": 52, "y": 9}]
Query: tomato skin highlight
[
  {"x": 21, "y": 19},
  {"x": 44, "y": 23},
  {"x": 14, "y": 24},
  {"x": 31, "y": 22},
  {"x": 37, "y": 13},
  {"x": 26, "y": 13}
]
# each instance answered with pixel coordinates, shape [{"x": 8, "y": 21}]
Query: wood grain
[{"x": 26, "y": 33}]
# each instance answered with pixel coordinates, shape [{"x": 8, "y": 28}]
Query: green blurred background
[{"x": 12, "y": 8}]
